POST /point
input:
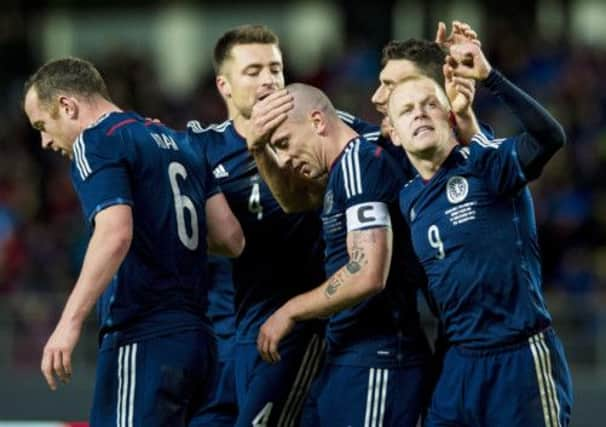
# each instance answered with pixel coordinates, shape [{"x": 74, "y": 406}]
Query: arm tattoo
[
  {"x": 358, "y": 259},
  {"x": 333, "y": 284},
  {"x": 355, "y": 264}
]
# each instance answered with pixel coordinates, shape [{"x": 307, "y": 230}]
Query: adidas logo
[{"x": 220, "y": 172}]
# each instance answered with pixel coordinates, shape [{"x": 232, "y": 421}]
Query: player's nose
[{"x": 379, "y": 98}]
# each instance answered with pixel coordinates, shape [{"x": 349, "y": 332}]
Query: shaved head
[{"x": 308, "y": 99}]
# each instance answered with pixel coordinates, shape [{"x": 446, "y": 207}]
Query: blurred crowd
[{"x": 43, "y": 235}]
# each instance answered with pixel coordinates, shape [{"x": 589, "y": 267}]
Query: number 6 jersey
[{"x": 161, "y": 285}]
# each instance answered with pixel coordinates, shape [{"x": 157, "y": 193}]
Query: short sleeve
[
  {"x": 496, "y": 160},
  {"x": 100, "y": 172},
  {"x": 371, "y": 182},
  {"x": 202, "y": 143}
]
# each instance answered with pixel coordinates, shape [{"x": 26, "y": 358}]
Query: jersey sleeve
[
  {"x": 496, "y": 160},
  {"x": 365, "y": 129},
  {"x": 100, "y": 172},
  {"x": 202, "y": 144},
  {"x": 370, "y": 183}
]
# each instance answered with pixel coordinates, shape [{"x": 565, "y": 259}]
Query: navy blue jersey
[
  {"x": 161, "y": 284},
  {"x": 221, "y": 310},
  {"x": 363, "y": 186},
  {"x": 473, "y": 230},
  {"x": 373, "y": 134},
  {"x": 283, "y": 253}
]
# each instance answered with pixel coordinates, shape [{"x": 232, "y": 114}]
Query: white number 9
[{"x": 433, "y": 235}]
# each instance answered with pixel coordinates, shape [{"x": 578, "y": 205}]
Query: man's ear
[
  {"x": 223, "y": 86},
  {"x": 318, "y": 122},
  {"x": 69, "y": 106}
]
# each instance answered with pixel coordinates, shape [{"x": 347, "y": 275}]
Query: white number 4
[
  {"x": 433, "y": 235},
  {"x": 254, "y": 201}
]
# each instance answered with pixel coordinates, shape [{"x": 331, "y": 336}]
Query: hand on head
[{"x": 266, "y": 116}]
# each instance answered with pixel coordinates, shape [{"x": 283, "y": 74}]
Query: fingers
[
  {"x": 468, "y": 85},
  {"x": 464, "y": 29},
  {"x": 267, "y": 347},
  {"x": 441, "y": 33},
  {"x": 273, "y": 351},
  {"x": 447, "y": 71},
  {"x": 67, "y": 366},
  {"x": 46, "y": 367},
  {"x": 271, "y": 111},
  {"x": 274, "y": 100},
  {"x": 58, "y": 365}
]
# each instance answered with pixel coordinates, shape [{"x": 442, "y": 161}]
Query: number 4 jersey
[
  {"x": 161, "y": 285},
  {"x": 283, "y": 255}
]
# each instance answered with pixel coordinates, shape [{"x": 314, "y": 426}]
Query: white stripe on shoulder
[
  {"x": 80, "y": 158},
  {"x": 346, "y": 117},
  {"x": 372, "y": 136},
  {"x": 197, "y": 127},
  {"x": 483, "y": 141},
  {"x": 344, "y": 169},
  {"x": 358, "y": 177}
]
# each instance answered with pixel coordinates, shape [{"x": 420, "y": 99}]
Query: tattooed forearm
[
  {"x": 333, "y": 284},
  {"x": 356, "y": 262}
]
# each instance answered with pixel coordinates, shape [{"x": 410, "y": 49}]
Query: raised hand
[
  {"x": 460, "y": 33},
  {"x": 266, "y": 116},
  {"x": 460, "y": 91},
  {"x": 468, "y": 61}
]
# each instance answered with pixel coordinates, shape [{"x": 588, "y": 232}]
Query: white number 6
[{"x": 182, "y": 203}]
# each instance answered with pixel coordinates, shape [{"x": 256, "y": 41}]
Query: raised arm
[
  {"x": 364, "y": 275},
  {"x": 460, "y": 91},
  {"x": 544, "y": 135},
  {"x": 225, "y": 236},
  {"x": 106, "y": 250},
  {"x": 293, "y": 193}
]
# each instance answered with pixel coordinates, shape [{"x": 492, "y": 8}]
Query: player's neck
[
  {"x": 95, "y": 109},
  {"x": 241, "y": 123},
  {"x": 429, "y": 164},
  {"x": 333, "y": 149}
]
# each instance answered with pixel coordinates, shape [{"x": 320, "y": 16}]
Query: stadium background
[{"x": 156, "y": 58}]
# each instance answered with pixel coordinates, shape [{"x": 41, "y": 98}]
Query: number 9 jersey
[{"x": 161, "y": 285}]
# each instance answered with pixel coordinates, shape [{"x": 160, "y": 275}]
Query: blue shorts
[
  {"x": 527, "y": 384},
  {"x": 273, "y": 394},
  {"x": 355, "y": 396},
  {"x": 159, "y": 381},
  {"x": 222, "y": 410}
]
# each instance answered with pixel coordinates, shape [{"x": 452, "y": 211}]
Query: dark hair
[
  {"x": 427, "y": 56},
  {"x": 244, "y": 34},
  {"x": 68, "y": 75}
]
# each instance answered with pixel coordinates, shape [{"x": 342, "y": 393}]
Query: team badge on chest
[{"x": 457, "y": 188}]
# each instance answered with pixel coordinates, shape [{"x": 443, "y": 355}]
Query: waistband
[{"x": 504, "y": 348}]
